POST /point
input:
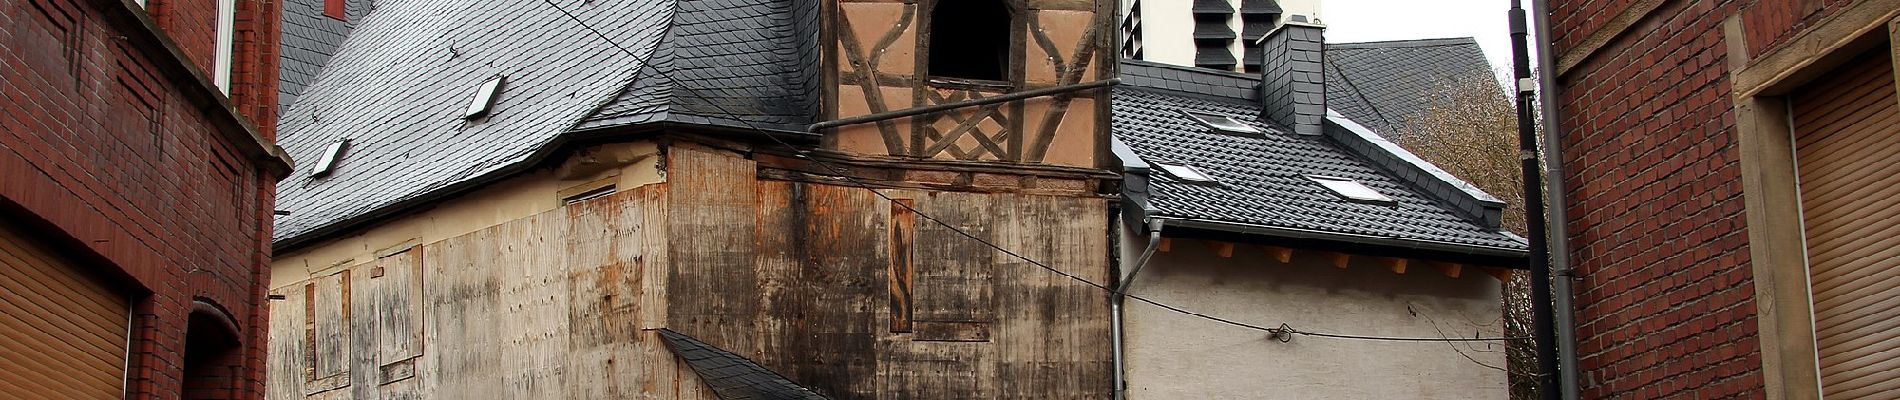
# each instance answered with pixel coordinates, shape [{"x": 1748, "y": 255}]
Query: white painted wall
[
  {"x": 1174, "y": 356},
  {"x": 1168, "y": 27}
]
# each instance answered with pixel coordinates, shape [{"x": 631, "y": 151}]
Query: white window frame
[
  {"x": 1223, "y": 123},
  {"x": 227, "y": 35},
  {"x": 1352, "y": 189},
  {"x": 1186, "y": 172}
]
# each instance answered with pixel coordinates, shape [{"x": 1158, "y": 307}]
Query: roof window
[
  {"x": 484, "y": 99},
  {"x": 327, "y": 164},
  {"x": 1224, "y": 124},
  {"x": 1351, "y": 190},
  {"x": 1185, "y": 172}
]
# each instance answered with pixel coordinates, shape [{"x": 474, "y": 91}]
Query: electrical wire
[{"x": 802, "y": 153}]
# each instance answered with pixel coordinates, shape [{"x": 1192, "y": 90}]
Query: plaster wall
[
  {"x": 1167, "y": 28},
  {"x": 630, "y": 165},
  {"x": 1175, "y": 356}
]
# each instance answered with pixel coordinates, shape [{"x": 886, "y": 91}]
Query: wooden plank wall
[
  {"x": 797, "y": 276},
  {"x": 985, "y": 325}
]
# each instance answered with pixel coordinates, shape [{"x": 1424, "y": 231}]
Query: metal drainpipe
[
  {"x": 1115, "y": 306},
  {"x": 1555, "y": 206}
]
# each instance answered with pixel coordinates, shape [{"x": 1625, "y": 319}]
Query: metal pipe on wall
[
  {"x": 1115, "y": 307},
  {"x": 1542, "y": 329},
  {"x": 1555, "y": 212}
]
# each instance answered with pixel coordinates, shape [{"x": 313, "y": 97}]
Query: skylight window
[
  {"x": 1351, "y": 190},
  {"x": 327, "y": 164},
  {"x": 1185, "y": 173},
  {"x": 1225, "y": 124},
  {"x": 484, "y": 99}
]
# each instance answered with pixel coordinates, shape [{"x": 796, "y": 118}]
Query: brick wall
[
  {"x": 114, "y": 153},
  {"x": 1665, "y": 304}
]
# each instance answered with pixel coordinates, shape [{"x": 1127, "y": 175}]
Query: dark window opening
[
  {"x": 969, "y": 39},
  {"x": 213, "y": 367}
]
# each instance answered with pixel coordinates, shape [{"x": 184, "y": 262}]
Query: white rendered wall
[
  {"x": 1173, "y": 356},
  {"x": 1168, "y": 27}
]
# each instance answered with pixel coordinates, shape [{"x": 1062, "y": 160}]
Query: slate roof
[
  {"x": 397, "y": 86},
  {"x": 309, "y": 39},
  {"x": 731, "y": 376},
  {"x": 1383, "y": 84},
  {"x": 1262, "y": 178}
]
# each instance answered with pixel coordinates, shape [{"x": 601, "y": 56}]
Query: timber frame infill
[
  {"x": 1770, "y": 189},
  {"x": 1000, "y": 131}
]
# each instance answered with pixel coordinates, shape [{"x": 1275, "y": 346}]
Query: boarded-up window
[
  {"x": 1847, "y": 149},
  {"x": 943, "y": 280}
]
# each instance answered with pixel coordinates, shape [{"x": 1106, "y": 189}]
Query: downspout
[
  {"x": 1543, "y": 319},
  {"x": 1558, "y": 222},
  {"x": 1115, "y": 305}
]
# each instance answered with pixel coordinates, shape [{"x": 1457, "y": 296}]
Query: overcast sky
[{"x": 1373, "y": 20}]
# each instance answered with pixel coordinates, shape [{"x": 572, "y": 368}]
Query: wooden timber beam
[
  {"x": 1396, "y": 264},
  {"x": 1503, "y": 274},
  {"x": 1281, "y": 254},
  {"x": 1449, "y": 269},
  {"x": 1166, "y": 245},
  {"x": 1339, "y": 259},
  {"x": 1223, "y": 249}
]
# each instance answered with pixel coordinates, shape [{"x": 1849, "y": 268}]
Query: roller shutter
[
  {"x": 1847, "y": 147},
  {"x": 62, "y": 330}
]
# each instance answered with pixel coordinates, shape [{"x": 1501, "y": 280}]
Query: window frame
[{"x": 226, "y": 45}]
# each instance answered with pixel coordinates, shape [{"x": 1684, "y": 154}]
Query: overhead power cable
[{"x": 802, "y": 153}]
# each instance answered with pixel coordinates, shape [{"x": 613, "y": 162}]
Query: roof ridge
[
  {"x": 1198, "y": 70},
  {"x": 1431, "y": 42}
]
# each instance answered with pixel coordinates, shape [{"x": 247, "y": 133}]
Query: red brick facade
[
  {"x": 1666, "y": 304},
  {"x": 120, "y": 152}
]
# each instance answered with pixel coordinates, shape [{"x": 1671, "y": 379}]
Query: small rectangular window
[
  {"x": 227, "y": 34},
  {"x": 484, "y": 99},
  {"x": 335, "y": 10},
  {"x": 1185, "y": 173},
  {"x": 327, "y": 163},
  {"x": 1351, "y": 190},
  {"x": 1224, "y": 123}
]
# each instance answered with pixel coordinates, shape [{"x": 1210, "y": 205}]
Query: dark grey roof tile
[{"x": 1263, "y": 177}]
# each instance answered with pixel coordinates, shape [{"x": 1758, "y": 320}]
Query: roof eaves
[{"x": 1301, "y": 233}]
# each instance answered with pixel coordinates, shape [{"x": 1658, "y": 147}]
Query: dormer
[{"x": 981, "y": 81}]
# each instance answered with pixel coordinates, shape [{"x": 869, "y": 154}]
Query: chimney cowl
[{"x": 1292, "y": 81}]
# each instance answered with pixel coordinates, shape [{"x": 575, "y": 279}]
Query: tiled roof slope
[
  {"x": 1383, "y": 84},
  {"x": 309, "y": 39},
  {"x": 397, "y": 87},
  {"x": 1263, "y": 177},
  {"x": 732, "y": 376},
  {"x": 755, "y": 59}
]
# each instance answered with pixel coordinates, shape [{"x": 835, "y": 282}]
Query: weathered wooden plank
[
  {"x": 604, "y": 249},
  {"x": 903, "y": 238},
  {"x": 842, "y": 291},
  {"x": 327, "y": 323},
  {"x": 713, "y": 291},
  {"x": 954, "y": 276},
  {"x": 1052, "y": 331},
  {"x": 284, "y": 375},
  {"x": 463, "y": 300}
]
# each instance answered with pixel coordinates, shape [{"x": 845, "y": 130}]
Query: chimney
[{"x": 1292, "y": 85}]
